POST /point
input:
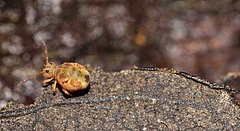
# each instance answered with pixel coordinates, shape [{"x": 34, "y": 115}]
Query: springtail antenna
[
  {"x": 46, "y": 51},
  {"x": 23, "y": 81}
]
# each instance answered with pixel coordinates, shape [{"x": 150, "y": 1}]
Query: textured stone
[{"x": 128, "y": 100}]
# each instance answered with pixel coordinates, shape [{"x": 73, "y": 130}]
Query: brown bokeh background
[{"x": 200, "y": 37}]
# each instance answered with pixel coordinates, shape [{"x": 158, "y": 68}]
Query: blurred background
[{"x": 200, "y": 37}]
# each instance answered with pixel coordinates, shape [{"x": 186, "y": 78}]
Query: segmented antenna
[
  {"x": 23, "y": 81},
  {"x": 46, "y": 52}
]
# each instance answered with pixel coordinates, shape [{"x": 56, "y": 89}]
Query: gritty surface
[{"x": 128, "y": 100}]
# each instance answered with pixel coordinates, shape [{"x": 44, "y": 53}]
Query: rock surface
[{"x": 128, "y": 100}]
